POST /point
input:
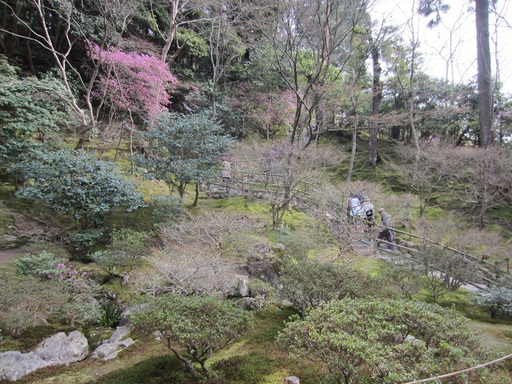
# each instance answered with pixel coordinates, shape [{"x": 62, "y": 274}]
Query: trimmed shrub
[{"x": 43, "y": 265}]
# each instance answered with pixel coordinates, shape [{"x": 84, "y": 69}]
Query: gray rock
[
  {"x": 8, "y": 241},
  {"x": 14, "y": 365},
  {"x": 58, "y": 349},
  {"x": 119, "y": 334},
  {"x": 262, "y": 248},
  {"x": 115, "y": 344},
  {"x": 104, "y": 350},
  {"x": 62, "y": 349},
  {"x": 249, "y": 303},
  {"x": 112, "y": 356},
  {"x": 243, "y": 285}
]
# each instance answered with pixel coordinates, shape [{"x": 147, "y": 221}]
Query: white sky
[{"x": 460, "y": 24}]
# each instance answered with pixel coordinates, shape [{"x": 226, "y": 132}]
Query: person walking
[
  {"x": 387, "y": 233},
  {"x": 367, "y": 212},
  {"x": 353, "y": 208}
]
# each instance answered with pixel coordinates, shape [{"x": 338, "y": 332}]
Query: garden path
[{"x": 8, "y": 255}]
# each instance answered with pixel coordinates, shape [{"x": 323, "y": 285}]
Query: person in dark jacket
[{"x": 387, "y": 233}]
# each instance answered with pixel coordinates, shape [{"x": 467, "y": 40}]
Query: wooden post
[{"x": 291, "y": 380}]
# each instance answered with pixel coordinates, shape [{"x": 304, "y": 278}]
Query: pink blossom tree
[
  {"x": 274, "y": 111},
  {"x": 134, "y": 84},
  {"x": 270, "y": 113}
]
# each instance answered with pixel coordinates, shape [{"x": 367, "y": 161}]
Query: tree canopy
[
  {"x": 394, "y": 340},
  {"x": 192, "y": 327}
]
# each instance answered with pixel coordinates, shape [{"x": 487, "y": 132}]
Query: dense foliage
[
  {"x": 389, "y": 340},
  {"x": 77, "y": 184},
  {"x": 183, "y": 149},
  {"x": 310, "y": 284}
]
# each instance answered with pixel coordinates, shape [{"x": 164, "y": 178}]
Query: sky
[{"x": 459, "y": 24}]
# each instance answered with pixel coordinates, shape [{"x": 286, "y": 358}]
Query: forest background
[{"x": 113, "y": 106}]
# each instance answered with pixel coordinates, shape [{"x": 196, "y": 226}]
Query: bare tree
[
  {"x": 201, "y": 254},
  {"x": 483, "y": 180},
  {"x": 194, "y": 269},
  {"x": 177, "y": 17},
  {"x": 286, "y": 173},
  {"x": 225, "y": 44},
  {"x": 426, "y": 174}
]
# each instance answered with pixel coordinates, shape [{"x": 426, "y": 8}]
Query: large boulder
[
  {"x": 14, "y": 365},
  {"x": 58, "y": 349},
  {"x": 62, "y": 349}
]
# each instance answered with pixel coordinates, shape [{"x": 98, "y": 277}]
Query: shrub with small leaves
[
  {"x": 76, "y": 184},
  {"x": 81, "y": 311},
  {"x": 390, "y": 340},
  {"x": 498, "y": 301},
  {"x": 84, "y": 240},
  {"x": 42, "y": 265},
  {"x": 193, "y": 327},
  {"x": 25, "y": 300},
  {"x": 166, "y": 208},
  {"x": 125, "y": 252}
]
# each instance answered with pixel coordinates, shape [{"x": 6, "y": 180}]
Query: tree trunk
[
  {"x": 485, "y": 97},
  {"x": 187, "y": 362},
  {"x": 376, "y": 99},
  {"x": 354, "y": 146},
  {"x": 196, "y": 198},
  {"x": 181, "y": 190}
]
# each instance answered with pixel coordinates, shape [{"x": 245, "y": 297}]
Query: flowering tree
[
  {"x": 133, "y": 82},
  {"x": 274, "y": 112}
]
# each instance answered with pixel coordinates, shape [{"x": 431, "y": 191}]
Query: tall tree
[
  {"x": 483, "y": 54},
  {"x": 133, "y": 84},
  {"x": 485, "y": 92},
  {"x": 312, "y": 42},
  {"x": 225, "y": 44},
  {"x": 167, "y": 18}
]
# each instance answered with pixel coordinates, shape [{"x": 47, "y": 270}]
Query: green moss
[
  {"x": 245, "y": 369},
  {"x": 433, "y": 213},
  {"x": 268, "y": 323},
  {"x": 155, "y": 370},
  {"x": 368, "y": 265},
  {"x": 239, "y": 205}
]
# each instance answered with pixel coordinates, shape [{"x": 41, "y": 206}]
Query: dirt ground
[{"x": 8, "y": 255}]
